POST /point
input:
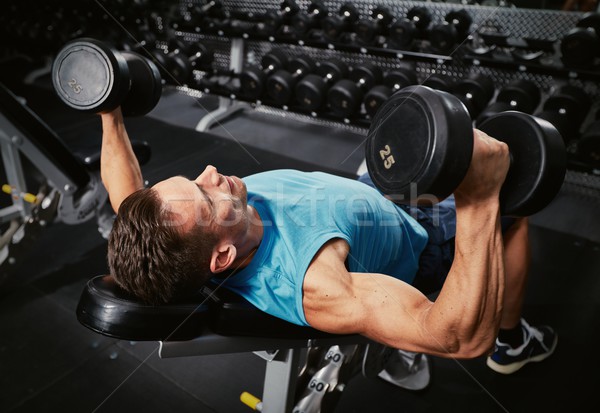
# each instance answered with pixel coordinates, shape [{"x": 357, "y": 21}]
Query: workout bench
[{"x": 218, "y": 321}]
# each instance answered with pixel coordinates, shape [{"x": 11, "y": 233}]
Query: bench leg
[{"x": 280, "y": 382}]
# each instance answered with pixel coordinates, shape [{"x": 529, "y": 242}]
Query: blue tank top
[{"x": 300, "y": 212}]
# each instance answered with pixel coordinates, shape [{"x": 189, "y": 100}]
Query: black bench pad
[{"x": 107, "y": 309}]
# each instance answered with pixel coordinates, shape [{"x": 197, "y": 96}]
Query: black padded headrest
[{"x": 107, "y": 309}]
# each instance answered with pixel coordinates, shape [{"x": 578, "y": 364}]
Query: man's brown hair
[{"x": 153, "y": 259}]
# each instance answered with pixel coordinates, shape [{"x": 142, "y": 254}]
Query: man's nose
[{"x": 207, "y": 176}]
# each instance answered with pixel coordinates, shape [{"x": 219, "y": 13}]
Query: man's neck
[{"x": 249, "y": 246}]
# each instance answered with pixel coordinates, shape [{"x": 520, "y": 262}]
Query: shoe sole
[{"x": 511, "y": 368}]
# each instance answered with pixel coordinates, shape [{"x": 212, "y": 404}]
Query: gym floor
[{"x": 49, "y": 362}]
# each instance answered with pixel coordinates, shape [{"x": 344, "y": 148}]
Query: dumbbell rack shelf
[
  {"x": 505, "y": 62},
  {"x": 366, "y": 50}
]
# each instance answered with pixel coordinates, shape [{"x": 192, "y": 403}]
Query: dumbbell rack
[{"x": 545, "y": 26}]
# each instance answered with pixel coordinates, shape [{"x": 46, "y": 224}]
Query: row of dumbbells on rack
[
  {"x": 577, "y": 50},
  {"x": 381, "y": 28},
  {"x": 332, "y": 89}
]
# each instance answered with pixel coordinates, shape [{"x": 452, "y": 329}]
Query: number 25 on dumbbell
[{"x": 387, "y": 157}]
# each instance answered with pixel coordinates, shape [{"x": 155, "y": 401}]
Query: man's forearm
[
  {"x": 469, "y": 305},
  {"x": 119, "y": 168}
]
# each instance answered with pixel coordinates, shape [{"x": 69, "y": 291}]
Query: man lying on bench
[{"x": 333, "y": 253}]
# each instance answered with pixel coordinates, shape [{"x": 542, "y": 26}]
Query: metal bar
[
  {"x": 281, "y": 376},
  {"x": 210, "y": 343},
  {"x": 14, "y": 172}
]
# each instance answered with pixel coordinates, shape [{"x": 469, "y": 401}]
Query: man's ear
[{"x": 223, "y": 256}]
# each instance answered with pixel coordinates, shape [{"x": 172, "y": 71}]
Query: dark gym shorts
[{"x": 440, "y": 223}]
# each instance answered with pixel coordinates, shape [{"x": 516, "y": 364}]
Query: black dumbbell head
[
  {"x": 461, "y": 19},
  {"x": 146, "y": 85},
  {"x": 590, "y": 20},
  {"x": 309, "y": 92},
  {"x": 443, "y": 37},
  {"x": 419, "y": 145},
  {"x": 570, "y": 100},
  {"x": 579, "y": 47},
  {"x": 420, "y": 17},
  {"x": 538, "y": 161},
  {"x": 375, "y": 98},
  {"x": 349, "y": 12},
  {"x": 302, "y": 65},
  {"x": 344, "y": 98},
  {"x": 566, "y": 128},
  {"x": 275, "y": 59},
  {"x": 90, "y": 76},
  {"x": 403, "y": 32},
  {"x": 179, "y": 69},
  {"x": 332, "y": 69},
  {"x": 366, "y": 75},
  {"x": 400, "y": 78},
  {"x": 475, "y": 91},
  {"x": 522, "y": 95},
  {"x": 441, "y": 82}
]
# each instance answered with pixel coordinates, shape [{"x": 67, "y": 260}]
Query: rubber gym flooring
[{"x": 50, "y": 363}]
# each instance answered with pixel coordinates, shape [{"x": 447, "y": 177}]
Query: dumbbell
[
  {"x": 280, "y": 85},
  {"x": 521, "y": 95},
  {"x": 346, "y": 96},
  {"x": 302, "y": 22},
  {"x": 403, "y": 31},
  {"x": 92, "y": 76},
  {"x": 581, "y": 45},
  {"x": 420, "y": 144},
  {"x": 334, "y": 25},
  {"x": 566, "y": 109},
  {"x": 393, "y": 81},
  {"x": 311, "y": 90},
  {"x": 178, "y": 62},
  {"x": 377, "y": 23},
  {"x": 252, "y": 79},
  {"x": 275, "y": 19},
  {"x": 444, "y": 36},
  {"x": 475, "y": 92}
]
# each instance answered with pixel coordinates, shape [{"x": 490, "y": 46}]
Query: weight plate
[
  {"x": 419, "y": 145},
  {"x": 90, "y": 76},
  {"x": 538, "y": 161}
]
